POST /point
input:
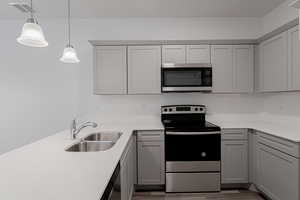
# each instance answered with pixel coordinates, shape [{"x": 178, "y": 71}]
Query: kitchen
[{"x": 251, "y": 47}]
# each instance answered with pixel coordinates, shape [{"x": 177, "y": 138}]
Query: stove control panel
[{"x": 183, "y": 109}]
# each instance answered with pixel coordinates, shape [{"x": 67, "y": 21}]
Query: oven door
[
  {"x": 192, "y": 146},
  {"x": 186, "y": 79}
]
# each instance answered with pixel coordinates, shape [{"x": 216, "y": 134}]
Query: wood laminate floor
[{"x": 224, "y": 195}]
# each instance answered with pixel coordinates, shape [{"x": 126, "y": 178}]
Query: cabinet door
[
  {"x": 274, "y": 63},
  {"x": 222, "y": 64},
  {"x": 294, "y": 59},
  {"x": 243, "y": 68},
  {"x": 253, "y": 149},
  {"x": 144, "y": 64},
  {"x": 127, "y": 171},
  {"x": 278, "y": 175},
  {"x": 174, "y": 54},
  {"x": 234, "y": 161},
  {"x": 198, "y": 54},
  {"x": 124, "y": 180},
  {"x": 110, "y": 70},
  {"x": 151, "y": 163},
  {"x": 257, "y": 70}
]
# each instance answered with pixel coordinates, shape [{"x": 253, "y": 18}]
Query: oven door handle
[{"x": 192, "y": 133}]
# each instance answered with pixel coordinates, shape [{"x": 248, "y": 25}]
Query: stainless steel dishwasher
[{"x": 113, "y": 188}]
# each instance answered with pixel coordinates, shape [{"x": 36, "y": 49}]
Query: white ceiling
[{"x": 145, "y": 8}]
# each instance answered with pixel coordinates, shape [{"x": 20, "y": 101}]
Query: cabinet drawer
[
  {"x": 153, "y": 135},
  {"x": 280, "y": 144},
  {"x": 234, "y": 134}
]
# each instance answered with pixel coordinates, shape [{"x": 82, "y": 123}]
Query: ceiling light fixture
[
  {"x": 32, "y": 34},
  {"x": 69, "y": 53}
]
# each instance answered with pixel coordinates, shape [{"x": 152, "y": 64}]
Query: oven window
[
  {"x": 192, "y": 147},
  {"x": 190, "y": 77}
]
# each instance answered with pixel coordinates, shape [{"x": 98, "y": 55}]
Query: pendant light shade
[
  {"x": 69, "y": 54},
  {"x": 32, "y": 35}
]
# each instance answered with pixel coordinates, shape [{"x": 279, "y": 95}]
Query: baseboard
[
  {"x": 140, "y": 188},
  {"x": 235, "y": 186}
]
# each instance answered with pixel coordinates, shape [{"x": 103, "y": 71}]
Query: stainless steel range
[{"x": 192, "y": 149}]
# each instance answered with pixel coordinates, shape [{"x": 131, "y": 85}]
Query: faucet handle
[
  {"x": 73, "y": 128},
  {"x": 73, "y": 124}
]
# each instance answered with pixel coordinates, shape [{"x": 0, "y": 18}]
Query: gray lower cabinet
[
  {"x": 128, "y": 174},
  {"x": 278, "y": 174},
  {"x": 234, "y": 156},
  {"x": 151, "y": 163},
  {"x": 253, "y": 164},
  {"x": 277, "y": 170}
]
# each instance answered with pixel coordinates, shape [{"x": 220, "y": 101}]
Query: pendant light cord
[
  {"x": 31, "y": 11},
  {"x": 69, "y": 24}
]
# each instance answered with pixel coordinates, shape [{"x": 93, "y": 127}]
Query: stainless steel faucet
[{"x": 75, "y": 130}]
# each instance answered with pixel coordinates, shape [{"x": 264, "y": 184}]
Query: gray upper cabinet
[
  {"x": 174, "y": 54},
  {"x": 294, "y": 59},
  {"x": 222, "y": 64},
  {"x": 197, "y": 54},
  {"x": 186, "y": 54},
  {"x": 243, "y": 68},
  {"x": 233, "y": 68},
  {"x": 144, "y": 63},
  {"x": 110, "y": 70},
  {"x": 274, "y": 63},
  {"x": 257, "y": 69}
]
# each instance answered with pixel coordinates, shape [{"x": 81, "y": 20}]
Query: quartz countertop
[
  {"x": 43, "y": 170},
  {"x": 280, "y": 126}
]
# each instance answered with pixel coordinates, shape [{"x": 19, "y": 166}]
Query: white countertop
[
  {"x": 280, "y": 126},
  {"x": 45, "y": 171}
]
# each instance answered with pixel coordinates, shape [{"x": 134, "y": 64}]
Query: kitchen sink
[
  {"x": 91, "y": 146},
  {"x": 104, "y": 136}
]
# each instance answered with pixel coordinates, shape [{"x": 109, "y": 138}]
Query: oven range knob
[
  {"x": 203, "y": 154},
  {"x": 196, "y": 109},
  {"x": 170, "y": 109},
  {"x": 201, "y": 109},
  {"x": 165, "y": 109}
]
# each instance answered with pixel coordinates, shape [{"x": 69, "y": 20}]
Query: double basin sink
[{"x": 100, "y": 141}]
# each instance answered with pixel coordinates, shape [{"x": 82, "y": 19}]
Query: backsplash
[
  {"x": 285, "y": 103},
  {"x": 149, "y": 105}
]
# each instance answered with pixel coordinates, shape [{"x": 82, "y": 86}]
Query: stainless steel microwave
[{"x": 196, "y": 77}]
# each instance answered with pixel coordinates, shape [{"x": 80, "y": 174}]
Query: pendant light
[
  {"x": 69, "y": 53},
  {"x": 32, "y": 34}
]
